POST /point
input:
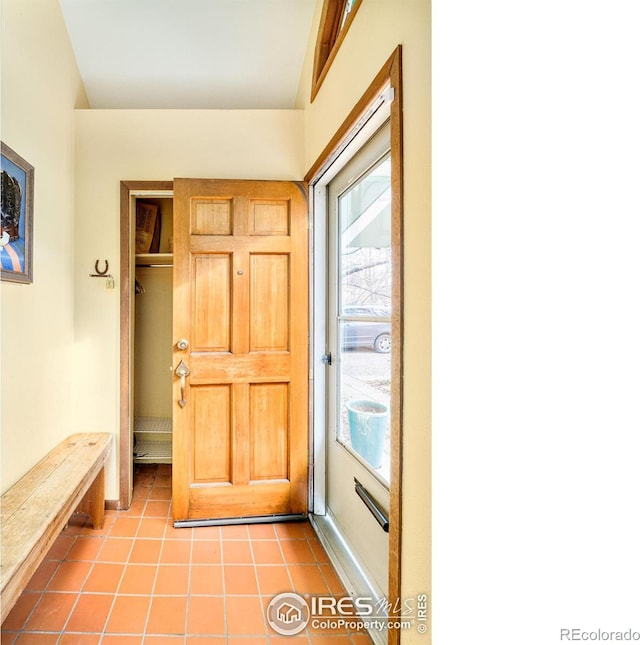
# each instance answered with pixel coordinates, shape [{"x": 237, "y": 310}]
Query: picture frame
[{"x": 16, "y": 223}]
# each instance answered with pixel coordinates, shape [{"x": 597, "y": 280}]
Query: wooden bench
[{"x": 37, "y": 507}]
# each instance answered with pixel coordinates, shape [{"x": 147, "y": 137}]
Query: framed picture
[{"x": 16, "y": 232}]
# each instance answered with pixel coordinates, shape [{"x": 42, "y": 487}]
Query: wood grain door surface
[{"x": 240, "y": 439}]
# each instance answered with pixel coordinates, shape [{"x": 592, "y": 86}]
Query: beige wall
[
  {"x": 379, "y": 27},
  {"x": 40, "y": 88},
  {"x": 116, "y": 145}
]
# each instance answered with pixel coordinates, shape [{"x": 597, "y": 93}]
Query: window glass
[
  {"x": 364, "y": 317},
  {"x": 346, "y": 11}
]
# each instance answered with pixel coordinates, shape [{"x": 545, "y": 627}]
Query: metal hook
[{"x": 106, "y": 268}]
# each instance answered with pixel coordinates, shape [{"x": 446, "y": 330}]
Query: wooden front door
[{"x": 240, "y": 415}]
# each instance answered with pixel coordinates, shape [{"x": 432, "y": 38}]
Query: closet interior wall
[{"x": 153, "y": 343}]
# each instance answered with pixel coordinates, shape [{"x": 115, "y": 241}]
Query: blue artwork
[{"x": 15, "y": 229}]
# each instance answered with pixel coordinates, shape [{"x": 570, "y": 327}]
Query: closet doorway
[
  {"x": 146, "y": 303},
  {"x": 153, "y": 289}
]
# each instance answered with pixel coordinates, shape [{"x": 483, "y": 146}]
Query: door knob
[{"x": 183, "y": 343}]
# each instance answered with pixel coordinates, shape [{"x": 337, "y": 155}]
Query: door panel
[
  {"x": 269, "y": 431},
  {"x": 211, "y": 217},
  {"x": 212, "y": 433},
  {"x": 240, "y": 299},
  {"x": 211, "y": 313},
  {"x": 269, "y": 303},
  {"x": 269, "y": 218}
]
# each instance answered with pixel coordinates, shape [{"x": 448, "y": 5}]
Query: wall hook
[{"x": 103, "y": 274}]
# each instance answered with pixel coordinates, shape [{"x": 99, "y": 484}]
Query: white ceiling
[{"x": 210, "y": 54}]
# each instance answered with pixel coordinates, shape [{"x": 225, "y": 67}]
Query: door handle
[{"x": 182, "y": 371}]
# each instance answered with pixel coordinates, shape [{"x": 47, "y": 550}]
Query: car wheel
[{"x": 382, "y": 344}]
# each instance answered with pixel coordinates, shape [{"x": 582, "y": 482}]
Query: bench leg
[{"x": 93, "y": 501}]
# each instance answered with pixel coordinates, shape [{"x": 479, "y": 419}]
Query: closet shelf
[
  {"x": 152, "y": 424},
  {"x": 153, "y": 443},
  {"x": 154, "y": 259},
  {"x": 153, "y": 452}
]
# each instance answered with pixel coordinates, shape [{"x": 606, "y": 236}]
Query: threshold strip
[{"x": 251, "y": 519}]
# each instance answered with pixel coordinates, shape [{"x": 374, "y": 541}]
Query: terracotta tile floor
[{"x": 139, "y": 580}]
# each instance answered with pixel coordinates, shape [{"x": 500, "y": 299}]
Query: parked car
[{"x": 359, "y": 332}]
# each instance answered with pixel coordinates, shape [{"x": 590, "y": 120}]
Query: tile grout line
[
  {"x": 224, "y": 588},
  {"x": 116, "y": 592},
  {"x": 80, "y": 590},
  {"x": 157, "y": 565},
  {"x": 258, "y": 586},
  {"x": 187, "y": 609},
  {"x": 42, "y": 593}
]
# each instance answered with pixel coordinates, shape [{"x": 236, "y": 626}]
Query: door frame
[
  {"x": 389, "y": 75},
  {"x": 129, "y": 189}
]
